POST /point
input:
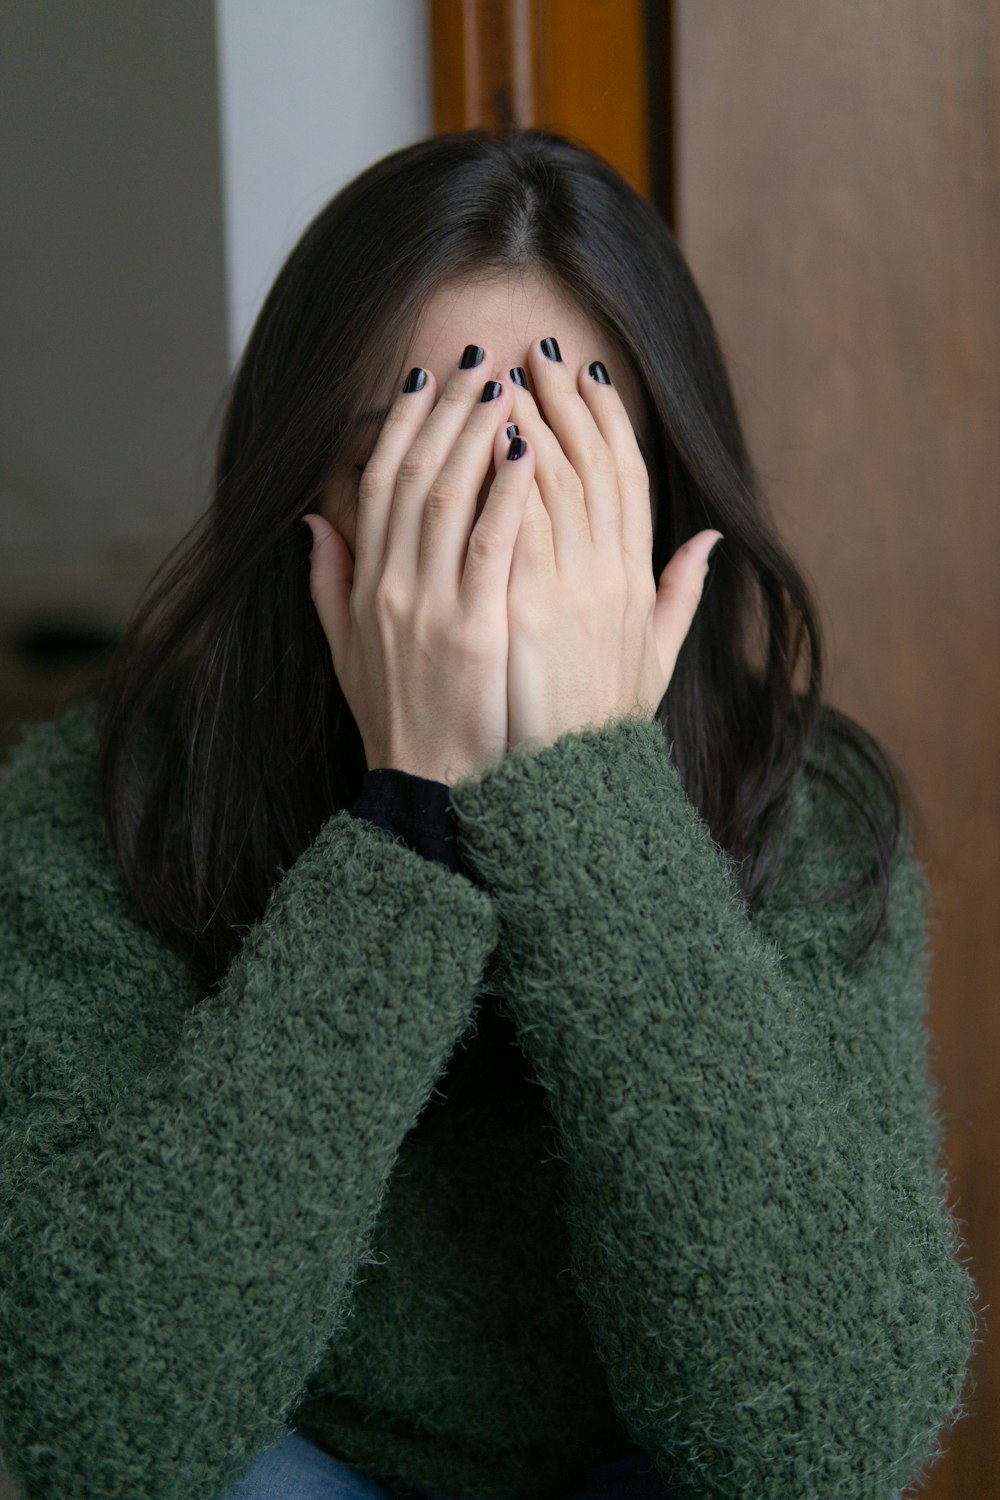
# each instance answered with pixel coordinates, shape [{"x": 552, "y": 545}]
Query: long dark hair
[{"x": 222, "y": 688}]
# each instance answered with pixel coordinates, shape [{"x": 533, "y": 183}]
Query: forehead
[
  {"x": 507, "y": 311},
  {"x": 506, "y": 314}
]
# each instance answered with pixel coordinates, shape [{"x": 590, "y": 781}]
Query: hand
[
  {"x": 417, "y": 620},
  {"x": 591, "y": 637}
]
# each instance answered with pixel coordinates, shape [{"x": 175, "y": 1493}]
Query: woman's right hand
[{"x": 417, "y": 619}]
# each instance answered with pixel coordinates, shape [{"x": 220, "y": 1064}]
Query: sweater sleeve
[
  {"x": 190, "y": 1182},
  {"x": 757, "y": 1209},
  {"x": 413, "y": 808}
]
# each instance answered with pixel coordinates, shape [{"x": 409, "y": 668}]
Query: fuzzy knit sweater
[{"x": 716, "y": 1228}]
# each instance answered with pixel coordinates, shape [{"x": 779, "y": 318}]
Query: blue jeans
[{"x": 296, "y": 1469}]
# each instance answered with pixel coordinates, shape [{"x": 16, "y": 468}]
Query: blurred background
[{"x": 830, "y": 172}]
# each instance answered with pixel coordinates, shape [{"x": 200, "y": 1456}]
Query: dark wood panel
[{"x": 838, "y": 200}]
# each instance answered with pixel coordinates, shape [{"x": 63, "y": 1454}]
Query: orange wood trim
[
  {"x": 576, "y": 66},
  {"x": 487, "y": 58}
]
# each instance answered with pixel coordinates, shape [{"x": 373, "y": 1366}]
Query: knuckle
[
  {"x": 399, "y": 413},
  {"x": 459, "y": 392},
  {"x": 539, "y": 524},
  {"x": 536, "y": 528},
  {"x": 416, "y": 465},
  {"x": 484, "y": 541},
  {"x": 634, "y": 472},
  {"x": 443, "y": 496},
  {"x": 579, "y": 525},
  {"x": 568, "y": 481},
  {"x": 373, "y": 478},
  {"x": 388, "y": 602},
  {"x": 600, "y": 459}
]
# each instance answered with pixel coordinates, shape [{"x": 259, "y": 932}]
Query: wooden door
[
  {"x": 831, "y": 174},
  {"x": 838, "y": 201}
]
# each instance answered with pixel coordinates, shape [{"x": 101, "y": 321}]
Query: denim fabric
[{"x": 296, "y": 1469}]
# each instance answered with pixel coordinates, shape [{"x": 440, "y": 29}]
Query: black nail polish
[
  {"x": 714, "y": 549},
  {"x": 518, "y": 448},
  {"x": 472, "y": 356},
  {"x": 512, "y": 429},
  {"x": 415, "y": 381},
  {"x": 491, "y": 390},
  {"x": 597, "y": 372},
  {"x": 551, "y": 349},
  {"x": 517, "y": 375}
]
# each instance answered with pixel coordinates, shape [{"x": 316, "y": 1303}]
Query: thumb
[
  {"x": 331, "y": 578},
  {"x": 678, "y": 595}
]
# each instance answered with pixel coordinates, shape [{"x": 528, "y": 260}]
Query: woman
[{"x": 464, "y": 1006}]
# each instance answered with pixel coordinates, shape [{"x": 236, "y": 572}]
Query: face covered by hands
[{"x": 591, "y": 636}]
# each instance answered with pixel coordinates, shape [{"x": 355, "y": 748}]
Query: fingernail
[
  {"x": 518, "y": 376},
  {"x": 518, "y": 448},
  {"x": 714, "y": 549},
  {"x": 551, "y": 349},
  {"x": 597, "y": 372},
  {"x": 491, "y": 390},
  {"x": 472, "y": 356},
  {"x": 512, "y": 430},
  {"x": 415, "y": 381}
]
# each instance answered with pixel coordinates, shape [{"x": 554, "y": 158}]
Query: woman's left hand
[{"x": 591, "y": 636}]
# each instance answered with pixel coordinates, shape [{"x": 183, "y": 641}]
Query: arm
[
  {"x": 190, "y": 1187},
  {"x": 761, "y": 1237}
]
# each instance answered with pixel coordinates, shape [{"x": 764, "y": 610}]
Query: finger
[
  {"x": 487, "y": 561},
  {"x": 331, "y": 577},
  {"x": 502, "y": 440},
  {"x": 560, "y": 492},
  {"x": 400, "y": 424},
  {"x": 680, "y": 591},
  {"x": 450, "y": 505},
  {"x": 424, "y": 459},
  {"x": 558, "y": 397},
  {"x": 532, "y": 559},
  {"x": 615, "y": 426},
  {"x": 533, "y": 546}
]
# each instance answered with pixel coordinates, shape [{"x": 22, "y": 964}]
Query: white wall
[
  {"x": 157, "y": 162},
  {"x": 311, "y": 92}
]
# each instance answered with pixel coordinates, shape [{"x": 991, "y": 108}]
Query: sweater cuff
[{"x": 414, "y": 808}]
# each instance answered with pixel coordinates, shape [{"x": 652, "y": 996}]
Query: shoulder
[
  {"x": 63, "y": 899},
  {"x": 48, "y": 782},
  {"x": 54, "y": 857},
  {"x": 68, "y": 738}
]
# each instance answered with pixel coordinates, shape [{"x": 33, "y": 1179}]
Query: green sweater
[{"x": 718, "y": 1228}]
